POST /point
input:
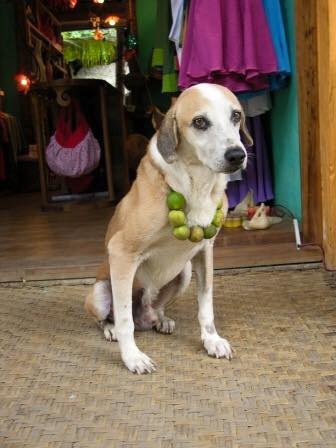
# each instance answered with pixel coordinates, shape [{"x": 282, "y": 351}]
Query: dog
[{"x": 199, "y": 143}]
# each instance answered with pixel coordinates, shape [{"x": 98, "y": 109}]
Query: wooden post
[
  {"x": 107, "y": 142},
  {"x": 40, "y": 148},
  {"x": 120, "y": 88},
  {"x": 326, "y": 55},
  {"x": 307, "y": 68}
]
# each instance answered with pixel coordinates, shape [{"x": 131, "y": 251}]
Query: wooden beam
[
  {"x": 107, "y": 143},
  {"x": 326, "y": 55},
  {"x": 307, "y": 67}
]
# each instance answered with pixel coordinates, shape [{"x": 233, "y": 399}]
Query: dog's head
[{"x": 205, "y": 126}]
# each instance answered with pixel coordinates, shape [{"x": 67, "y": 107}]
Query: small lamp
[
  {"x": 112, "y": 20},
  {"x": 22, "y": 83}
]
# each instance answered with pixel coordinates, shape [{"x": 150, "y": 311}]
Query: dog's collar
[{"x": 176, "y": 204}]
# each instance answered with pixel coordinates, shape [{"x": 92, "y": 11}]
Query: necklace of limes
[{"x": 177, "y": 218}]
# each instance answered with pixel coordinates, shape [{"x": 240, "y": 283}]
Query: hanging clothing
[
  {"x": 164, "y": 50},
  {"x": 256, "y": 105},
  {"x": 257, "y": 176},
  {"x": 177, "y": 7},
  {"x": 228, "y": 43},
  {"x": 4, "y": 140},
  {"x": 276, "y": 25},
  {"x": 11, "y": 145}
]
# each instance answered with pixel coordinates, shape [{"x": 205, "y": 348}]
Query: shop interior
[{"x": 97, "y": 76}]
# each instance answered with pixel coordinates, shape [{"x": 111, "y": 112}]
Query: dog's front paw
[
  {"x": 218, "y": 347},
  {"x": 139, "y": 362}
]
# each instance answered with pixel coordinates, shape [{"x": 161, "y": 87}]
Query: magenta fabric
[{"x": 228, "y": 43}]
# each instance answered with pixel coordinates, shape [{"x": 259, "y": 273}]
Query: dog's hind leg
[
  {"x": 173, "y": 289},
  {"x": 144, "y": 315},
  {"x": 98, "y": 304}
]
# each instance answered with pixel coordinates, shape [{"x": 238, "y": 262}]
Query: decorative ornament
[
  {"x": 22, "y": 83},
  {"x": 177, "y": 219},
  {"x": 131, "y": 42},
  {"x": 112, "y": 20},
  {"x": 60, "y": 5},
  {"x": 260, "y": 220},
  {"x": 97, "y": 32}
]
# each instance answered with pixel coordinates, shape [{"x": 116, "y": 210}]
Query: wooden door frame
[{"x": 316, "y": 67}]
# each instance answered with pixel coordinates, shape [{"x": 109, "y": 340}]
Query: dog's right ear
[{"x": 167, "y": 138}]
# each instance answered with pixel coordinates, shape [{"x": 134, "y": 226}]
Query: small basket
[{"x": 232, "y": 222}]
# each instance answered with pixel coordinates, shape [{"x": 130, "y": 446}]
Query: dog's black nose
[{"x": 235, "y": 155}]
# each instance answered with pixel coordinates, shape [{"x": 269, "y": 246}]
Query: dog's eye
[
  {"x": 236, "y": 116},
  {"x": 201, "y": 123}
]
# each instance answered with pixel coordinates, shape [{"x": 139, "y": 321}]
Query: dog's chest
[{"x": 166, "y": 259}]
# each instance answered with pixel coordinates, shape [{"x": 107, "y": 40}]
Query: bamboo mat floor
[{"x": 63, "y": 386}]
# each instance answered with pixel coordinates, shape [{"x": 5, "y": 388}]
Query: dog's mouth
[{"x": 231, "y": 169}]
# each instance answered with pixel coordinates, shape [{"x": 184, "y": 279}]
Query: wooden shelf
[
  {"x": 60, "y": 68},
  {"x": 27, "y": 158},
  {"x": 48, "y": 12},
  {"x": 43, "y": 37}
]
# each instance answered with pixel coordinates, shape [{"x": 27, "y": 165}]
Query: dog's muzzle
[{"x": 234, "y": 159}]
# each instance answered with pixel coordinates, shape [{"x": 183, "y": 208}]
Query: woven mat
[{"x": 63, "y": 386}]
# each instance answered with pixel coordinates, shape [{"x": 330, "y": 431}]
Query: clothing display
[
  {"x": 256, "y": 105},
  {"x": 276, "y": 25},
  {"x": 257, "y": 177},
  {"x": 240, "y": 44},
  {"x": 177, "y": 7},
  {"x": 229, "y": 44},
  {"x": 12, "y": 144},
  {"x": 164, "y": 50},
  {"x": 73, "y": 150}
]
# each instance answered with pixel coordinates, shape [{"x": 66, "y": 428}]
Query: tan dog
[{"x": 145, "y": 266}]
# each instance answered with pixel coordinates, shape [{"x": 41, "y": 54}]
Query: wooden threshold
[
  {"x": 69, "y": 245},
  {"x": 229, "y": 258}
]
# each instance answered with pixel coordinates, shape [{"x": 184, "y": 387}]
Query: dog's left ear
[
  {"x": 167, "y": 138},
  {"x": 247, "y": 139}
]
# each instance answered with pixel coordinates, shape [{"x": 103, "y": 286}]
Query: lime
[
  {"x": 218, "y": 218},
  {"x": 182, "y": 232},
  {"x": 220, "y": 204},
  {"x": 196, "y": 234},
  {"x": 175, "y": 201},
  {"x": 177, "y": 218},
  {"x": 210, "y": 231}
]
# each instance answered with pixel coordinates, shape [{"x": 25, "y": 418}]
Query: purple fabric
[
  {"x": 257, "y": 176},
  {"x": 228, "y": 43}
]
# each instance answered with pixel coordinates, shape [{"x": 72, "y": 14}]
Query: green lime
[
  {"x": 196, "y": 234},
  {"x": 177, "y": 218},
  {"x": 220, "y": 204},
  {"x": 218, "y": 218},
  {"x": 210, "y": 231},
  {"x": 175, "y": 201},
  {"x": 182, "y": 232}
]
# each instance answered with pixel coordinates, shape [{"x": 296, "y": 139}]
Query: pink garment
[
  {"x": 72, "y": 151},
  {"x": 75, "y": 161},
  {"x": 229, "y": 43}
]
